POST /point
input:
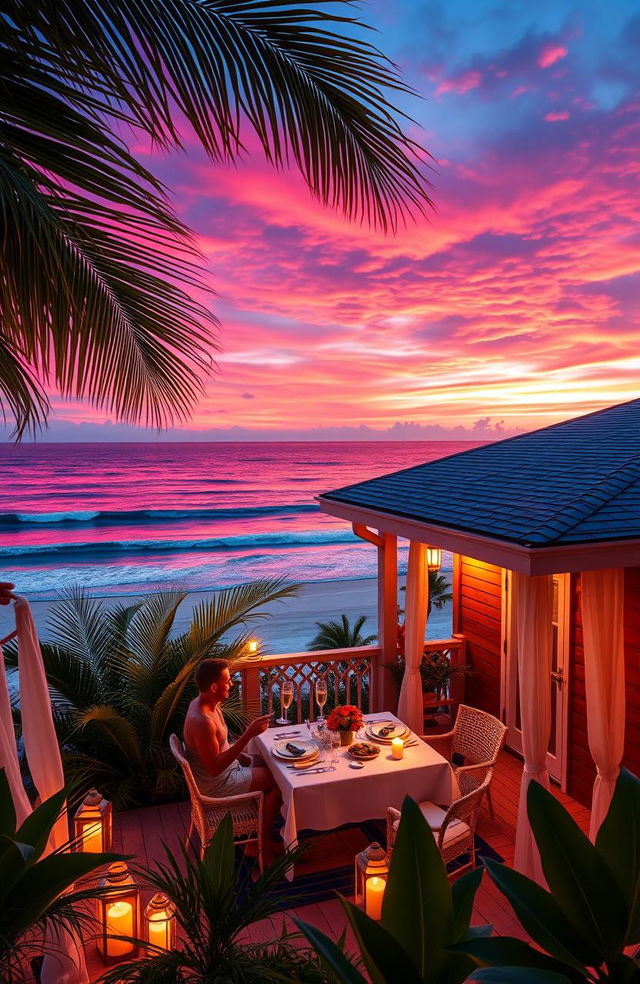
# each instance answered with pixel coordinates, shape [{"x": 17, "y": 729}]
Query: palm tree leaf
[
  {"x": 115, "y": 729},
  {"x": 214, "y": 617},
  {"x": 79, "y": 624}
]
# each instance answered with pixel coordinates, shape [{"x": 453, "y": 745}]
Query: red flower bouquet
[{"x": 345, "y": 718}]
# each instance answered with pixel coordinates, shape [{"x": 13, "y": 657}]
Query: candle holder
[
  {"x": 160, "y": 922},
  {"x": 371, "y": 873},
  {"x": 93, "y": 824},
  {"x": 118, "y": 914}
]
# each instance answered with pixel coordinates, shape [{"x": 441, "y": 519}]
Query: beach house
[{"x": 545, "y": 533}]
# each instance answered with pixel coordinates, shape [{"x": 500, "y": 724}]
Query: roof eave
[{"x": 564, "y": 559}]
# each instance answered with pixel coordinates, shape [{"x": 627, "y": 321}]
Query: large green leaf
[
  {"x": 7, "y": 809},
  {"x": 386, "y": 961},
  {"x": 417, "y": 908},
  {"x": 576, "y": 873},
  {"x": 618, "y": 841},
  {"x": 509, "y": 951},
  {"x": 517, "y": 975},
  {"x": 463, "y": 894},
  {"x": 331, "y": 954},
  {"x": 543, "y": 918},
  {"x": 38, "y": 825},
  {"x": 14, "y": 861},
  {"x": 218, "y": 863}
]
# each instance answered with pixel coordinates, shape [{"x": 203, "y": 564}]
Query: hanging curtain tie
[
  {"x": 608, "y": 776},
  {"x": 534, "y": 771}
]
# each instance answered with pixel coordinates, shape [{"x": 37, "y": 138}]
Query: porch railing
[{"x": 351, "y": 676}]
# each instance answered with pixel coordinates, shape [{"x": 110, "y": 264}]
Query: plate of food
[
  {"x": 363, "y": 750},
  {"x": 296, "y": 750},
  {"x": 387, "y": 730}
]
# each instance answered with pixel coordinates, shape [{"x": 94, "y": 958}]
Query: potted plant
[{"x": 345, "y": 720}]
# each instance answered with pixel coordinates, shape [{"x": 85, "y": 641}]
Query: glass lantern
[
  {"x": 93, "y": 824},
  {"x": 434, "y": 558},
  {"x": 371, "y": 873},
  {"x": 118, "y": 914},
  {"x": 160, "y": 922}
]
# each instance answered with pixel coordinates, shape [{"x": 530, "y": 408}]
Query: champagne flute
[
  {"x": 321, "y": 698},
  {"x": 286, "y": 698}
]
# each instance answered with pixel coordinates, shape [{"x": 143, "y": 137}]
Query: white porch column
[
  {"x": 534, "y": 606},
  {"x": 602, "y": 624},
  {"x": 410, "y": 706}
]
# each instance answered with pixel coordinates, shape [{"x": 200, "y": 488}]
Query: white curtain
[
  {"x": 534, "y": 613},
  {"x": 603, "y": 634},
  {"x": 64, "y": 961},
  {"x": 9, "y": 753},
  {"x": 410, "y": 705}
]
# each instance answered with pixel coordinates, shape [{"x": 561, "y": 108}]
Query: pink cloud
[
  {"x": 550, "y": 54},
  {"x": 463, "y": 83},
  {"x": 555, "y": 117}
]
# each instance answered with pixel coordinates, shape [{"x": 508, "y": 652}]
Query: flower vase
[{"x": 346, "y": 737}]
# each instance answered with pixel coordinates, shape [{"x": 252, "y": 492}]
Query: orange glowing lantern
[
  {"x": 434, "y": 558},
  {"x": 160, "y": 922},
  {"x": 118, "y": 914},
  {"x": 253, "y": 647},
  {"x": 93, "y": 824},
  {"x": 371, "y": 872}
]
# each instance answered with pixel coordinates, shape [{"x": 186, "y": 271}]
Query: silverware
[
  {"x": 307, "y": 772},
  {"x": 408, "y": 744},
  {"x": 287, "y": 734}
]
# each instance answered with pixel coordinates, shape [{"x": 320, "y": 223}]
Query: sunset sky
[{"x": 515, "y": 304}]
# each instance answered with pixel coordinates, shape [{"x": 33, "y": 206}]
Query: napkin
[{"x": 294, "y": 749}]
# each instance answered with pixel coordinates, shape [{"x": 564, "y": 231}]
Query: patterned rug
[{"x": 316, "y": 881}]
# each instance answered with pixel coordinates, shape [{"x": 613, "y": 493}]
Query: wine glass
[
  {"x": 321, "y": 698},
  {"x": 335, "y": 746},
  {"x": 286, "y": 698}
]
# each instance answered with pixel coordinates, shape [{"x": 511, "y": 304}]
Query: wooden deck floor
[{"x": 143, "y": 832}]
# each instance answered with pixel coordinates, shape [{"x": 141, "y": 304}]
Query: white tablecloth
[{"x": 322, "y": 801}]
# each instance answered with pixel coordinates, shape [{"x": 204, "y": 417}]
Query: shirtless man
[{"x": 221, "y": 769}]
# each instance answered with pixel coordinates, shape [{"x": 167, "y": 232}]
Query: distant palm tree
[
  {"x": 120, "y": 681},
  {"x": 440, "y": 592},
  {"x": 341, "y": 635},
  {"x": 97, "y": 274}
]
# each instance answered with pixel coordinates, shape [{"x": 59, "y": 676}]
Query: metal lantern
[
  {"x": 160, "y": 922},
  {"x": 118, "y": 914},
  {"x": 93, "y": 824},
  {"x": 371, "y": 872},
  {"x": 434, "y": 558}
]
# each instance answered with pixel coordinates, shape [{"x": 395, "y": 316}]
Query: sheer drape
[
  {"x": 410, "y": 705},
  {"x": 534, "y": 613},
  {"x": 603, "y": 635}
]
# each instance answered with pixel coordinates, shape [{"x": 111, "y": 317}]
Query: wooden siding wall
[
  {"x": 580, "y": 766},
  {"x": 478, "y": 616}
]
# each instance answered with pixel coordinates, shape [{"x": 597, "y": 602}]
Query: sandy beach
[{"x": 290, "y": 624}]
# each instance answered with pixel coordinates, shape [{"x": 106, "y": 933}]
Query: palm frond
[
  {"x": 114, "y": 727},
  {"x": 79, "y": 624},
  {"x": 228, "y": 608}
]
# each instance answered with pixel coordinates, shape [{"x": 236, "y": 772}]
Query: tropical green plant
[
  {"x": 440, "y": 593},
  {"x": 216, "y": 901},
  {"x": 423, "y": 918},
  {"x": 36, "y": 892},
  {"x": 120, "y": 680},
  {"x": 341, "y": 635},
  {"x": 590, "y": 915},
  {"x": 98, "y": 273}
]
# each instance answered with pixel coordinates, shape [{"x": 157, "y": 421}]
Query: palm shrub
[
  {"x": 423, "y": 918},
  {"x": 216, "y": 900},
  {"x": 36, "y": 892},
  {"x": 341, "y": 635},
  {"x": 120, "y": 682}
]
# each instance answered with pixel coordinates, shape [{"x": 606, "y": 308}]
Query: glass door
[{"x": 558, "y": 680}]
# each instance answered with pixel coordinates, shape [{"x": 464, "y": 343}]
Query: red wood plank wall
[
  {"x": 580, "y": 767},
  {"x": 478, "y": 615}
]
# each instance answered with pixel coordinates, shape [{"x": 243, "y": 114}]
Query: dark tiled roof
[{"x": 573, "y": 482}]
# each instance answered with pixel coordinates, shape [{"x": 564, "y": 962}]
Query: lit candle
[
  {"x": 119, "y": 923},
  {"x": 92, "y": 838},
  {"x": 397, "y": 748},
  {"x": 159, "y": 930},
  {"x": 374, "y": 891}
]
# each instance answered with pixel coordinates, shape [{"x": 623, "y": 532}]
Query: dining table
[{"x": 324, "y": 800}]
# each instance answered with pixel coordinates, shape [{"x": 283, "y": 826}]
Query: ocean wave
[
  {"x": 113, "y": 517},
  {"x": 302, "y": 538}
]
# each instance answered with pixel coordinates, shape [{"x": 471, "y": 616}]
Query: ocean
[{"x": 122, "y": 519}]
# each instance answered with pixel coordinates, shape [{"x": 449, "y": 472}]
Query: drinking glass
[
  {"x": 321, "y": 697},
  {"x": 286, "y": 697},
  {"x": 335, "y": 746}
]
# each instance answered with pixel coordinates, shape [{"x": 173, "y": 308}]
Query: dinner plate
[
  {"x": 281, "y": 751},
  {"x": 399, "y": 731},
  {"x": 363, "y": 750}
]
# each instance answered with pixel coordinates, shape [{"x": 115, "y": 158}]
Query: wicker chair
[
  {"x": 476, "y": 739},
  {"x": 454, "y": 828},
  {"x": 207, "y": 812}
]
